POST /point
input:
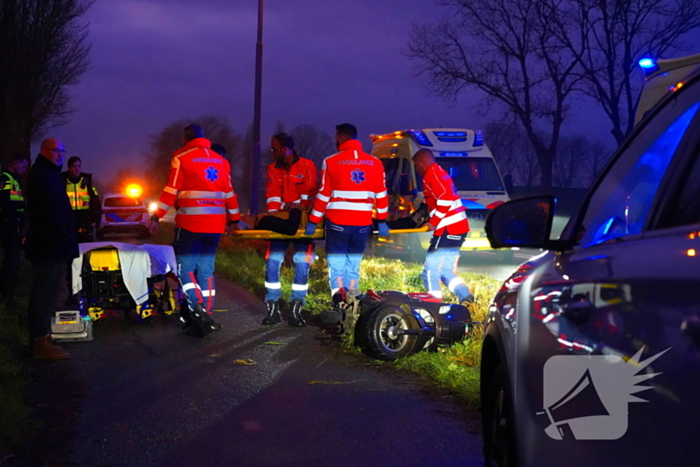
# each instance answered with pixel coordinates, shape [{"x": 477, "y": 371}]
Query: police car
[
  {"x": 591, "y": 351},
  {"x": 464, "y": 155},
  {"x": 124, "y": 213}
]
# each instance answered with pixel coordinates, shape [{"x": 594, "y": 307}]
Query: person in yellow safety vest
[
  {"x": 85, "y": 204},
  {"x": 12, "y": 217},
  {"x": 83, "y": 198}
]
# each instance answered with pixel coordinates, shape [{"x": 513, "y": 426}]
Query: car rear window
[{"x": 123, "y": 202}]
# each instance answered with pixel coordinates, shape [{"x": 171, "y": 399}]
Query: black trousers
[
  {"x": 11, "y": 259},
  {"x": 46, "y": 285}
]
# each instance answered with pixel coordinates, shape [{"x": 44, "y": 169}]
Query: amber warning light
[{"x": 133, "y": 190}]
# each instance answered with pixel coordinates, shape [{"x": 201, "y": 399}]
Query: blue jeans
[
  {"x": 303, "y": 257},
  {"x": 195, "y": 254},
  {"x": 345, "y": 246},
  {"x": 440, "y": 265}
]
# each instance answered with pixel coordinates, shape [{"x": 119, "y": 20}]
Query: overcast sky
[{"x": 325, "y": 62}]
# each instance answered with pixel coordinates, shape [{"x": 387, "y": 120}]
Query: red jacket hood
[
  {"x": 351, "y": 144},
  {"x": 195, "y": 143}
]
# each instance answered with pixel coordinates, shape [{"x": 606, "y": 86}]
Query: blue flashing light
[
  {"x": 478, "y": 138},
  {"x": 450, "y": 134},
  {"x": 421, "y": 138},
  {"x": 647, "y": 63},
  {"x": 454, "y": 154}
]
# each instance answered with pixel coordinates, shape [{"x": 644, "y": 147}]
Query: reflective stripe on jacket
[
  {"x": 12, "y": 203},
  {"x": 287, "y": 185},
  {"x": 352, "y": 186},
  {"x": 200, "y": 188},
  {"x": 446, "y": 208},
  {"x": 79, "y": 193}
]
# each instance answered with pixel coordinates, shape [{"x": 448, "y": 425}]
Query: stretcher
[
  {"x": 110, "y": 276},
  {"x": 301, "y": 219},
  {"x": 319, "y": 234}
]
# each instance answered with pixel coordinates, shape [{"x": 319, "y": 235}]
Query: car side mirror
[{"x": 522, "y": 223}]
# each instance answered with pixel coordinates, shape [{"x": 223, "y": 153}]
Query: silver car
[{"x": 591, "y": 352}]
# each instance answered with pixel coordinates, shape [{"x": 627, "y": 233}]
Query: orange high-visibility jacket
[
  {"x": 199, "y": 186},
  {"x": 446, "y": 208},
  {"x": 352, "y": 182},
  {"x": 294, "y": 184}
]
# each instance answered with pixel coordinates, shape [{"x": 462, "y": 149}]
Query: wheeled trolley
[{"x": 111, "y": 276}]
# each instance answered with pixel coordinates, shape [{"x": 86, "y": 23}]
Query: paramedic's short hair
[
  {"x": 73, "y": 159},
  {"x": 219, "y": 149},
  {"x": 193, "y": 132},
  {"x": 285, "y": 140},
  {"x": 347, "y": 129}
]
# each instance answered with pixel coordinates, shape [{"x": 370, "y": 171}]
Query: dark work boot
[
  {"x": 185, "y": 315},
  {"x": 273, "y": 313},
  {"x": 295, "y": 318},
  {"x": 202, "y": 324}
]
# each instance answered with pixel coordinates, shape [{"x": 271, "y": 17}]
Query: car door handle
[
  {"x": 577, "y": 311},
  {"x": 691, "y": 327}
]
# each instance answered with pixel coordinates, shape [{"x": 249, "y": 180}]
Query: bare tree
[
  {"x": 312, "y": 143},
  {"x": 598, "y": 155},
  {"x": 513, "y": 152},
  {"x": 609, "y": 38},
  {"x": 569, "y": 164},
  {"x": 169, "y": 139},
  {"x": 43, "y": 50},
  {"x": 505, "y": 49}
]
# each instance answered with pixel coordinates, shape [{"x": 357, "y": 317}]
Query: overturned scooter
[{"x": 388, "y": 324}]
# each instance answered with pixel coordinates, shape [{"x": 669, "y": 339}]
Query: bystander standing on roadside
[
  {"x": 85, "y": 203},
  {"x": 12, "y": 218},
  {"x": 51, "y": 243}
]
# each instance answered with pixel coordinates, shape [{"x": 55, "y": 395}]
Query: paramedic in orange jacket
[
  {"x": 199, "y": 187},
  {"x": 352, "y": 184},
  {"x": 449, "y": 224},
  {"x": 291, "y": 183}
]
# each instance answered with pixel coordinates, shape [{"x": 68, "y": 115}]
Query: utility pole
[{"x": 255, "y": 166}]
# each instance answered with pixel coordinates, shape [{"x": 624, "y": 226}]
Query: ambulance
[
  {"x": 468, "y": 160},
  {"x": 663, "y": 76}
]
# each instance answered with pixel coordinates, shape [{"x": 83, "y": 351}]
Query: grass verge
[
  {"x": 13, "y": 370},
  {"x": 455, "y": 368}
]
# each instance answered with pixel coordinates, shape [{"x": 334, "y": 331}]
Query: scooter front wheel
[{"x": 385, "y": 332}]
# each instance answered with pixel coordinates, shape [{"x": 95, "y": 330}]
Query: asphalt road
[{"x": 146, "y": 394}]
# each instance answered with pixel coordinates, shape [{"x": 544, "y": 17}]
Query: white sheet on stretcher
[{"x": 137, "y": 262}]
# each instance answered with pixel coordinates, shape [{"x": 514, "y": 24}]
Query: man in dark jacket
[
  {"x": 51, "y": 242},
  {"x": 12, "y": 212}
]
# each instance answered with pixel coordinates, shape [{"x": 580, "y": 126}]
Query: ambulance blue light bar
[
  {"x": 451, "y": 136},
  {"x": 478, "y": 138},
  {"x": 421, "y": 137},
  {"x": 648, "y": 65},
  {"x": 454, "y": 154}
]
